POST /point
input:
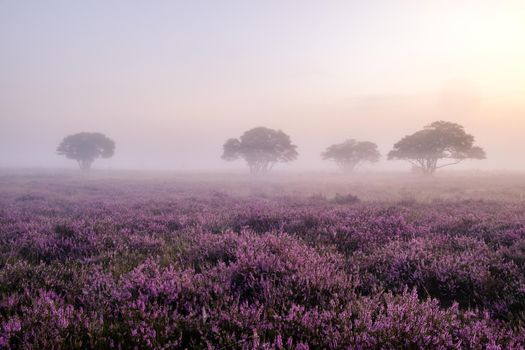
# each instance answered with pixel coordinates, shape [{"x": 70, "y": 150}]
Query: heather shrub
[
  {"x": 345, "y": 199},
  {"x": 255, "y": 282},
  {"x": 277, "y": 269},
  {"x": 94, "y": 265},
  {"x": 276, "y": 292},
  {"x": 451, "y": 269},
  {"x": 515, "y": 253},
  {"x": 63, "y": 279},
  {"x": 44, "y": 320},
  {"x": 270, "y": 268},
  {"x": 317, "y": 197},
  {"x": 404, "y": 322}
]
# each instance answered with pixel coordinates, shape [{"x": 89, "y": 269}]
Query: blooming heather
[{"x": 126, "y": 265}]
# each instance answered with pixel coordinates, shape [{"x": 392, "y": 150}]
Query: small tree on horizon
[
  {"x": 85, "y": 147},
  {"x": 349, "y": 154},
  {"x": 261, "y": 148},
  {"x": 440, "y": 140}
]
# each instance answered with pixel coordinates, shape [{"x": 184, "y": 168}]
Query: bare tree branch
[{"x": 444, "y": 165}]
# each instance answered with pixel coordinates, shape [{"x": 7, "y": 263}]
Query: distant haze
[{"x": 170, "y": 81}]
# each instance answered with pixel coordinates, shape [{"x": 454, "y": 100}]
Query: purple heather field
[{"x": 170, "y": 261}]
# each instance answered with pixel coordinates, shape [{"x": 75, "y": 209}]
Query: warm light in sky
[
  {"x": 492, "y": 43},
  {"x": 174, "y": 76}
]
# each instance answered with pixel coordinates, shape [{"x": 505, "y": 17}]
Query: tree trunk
[
  {"x": 429, "y": 170},
  {"x": 85, "y": 165},
  {"x": 262, "y": 167},
  {"x": 348, "y": 167}
]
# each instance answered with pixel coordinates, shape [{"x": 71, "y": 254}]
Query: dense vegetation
[{"x": 169, "y": 264}]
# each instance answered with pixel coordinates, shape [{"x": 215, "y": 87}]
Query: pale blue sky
[{"x": 171, "y": 80}]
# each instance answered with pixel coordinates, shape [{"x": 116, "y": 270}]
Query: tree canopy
[
  {"x": 438, "y": 141},
  {"x": 261, "y": 148},
  {"x": 350, "y": 154},
  {"x": 85, "y": 147}
]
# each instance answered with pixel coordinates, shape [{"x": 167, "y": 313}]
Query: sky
[{"x": 170, "y": 81}]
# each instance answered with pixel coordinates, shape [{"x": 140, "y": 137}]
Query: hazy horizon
[{"x": 171, "y": 82}]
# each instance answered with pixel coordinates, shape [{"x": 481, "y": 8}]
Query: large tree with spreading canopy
[
  {"x": 350, "y": 154},
  {"x": 438, "y": 145},
  {"x": 261, "y": 148},
  {"x": 85, "y": 147}
]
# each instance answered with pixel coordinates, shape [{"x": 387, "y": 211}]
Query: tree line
[{"x": 437, "y": 145}]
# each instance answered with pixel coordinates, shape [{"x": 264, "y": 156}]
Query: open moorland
[{"x": 173, "y": 261}]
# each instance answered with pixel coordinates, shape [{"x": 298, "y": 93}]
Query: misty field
[{"x": 288, "y": 262}]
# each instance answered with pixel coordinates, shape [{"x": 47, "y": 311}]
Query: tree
[
  {"x": 85, "y": 147},
  {"x": 438, "y": 141},
  {"x": 261, "y": 148},
  {"x": 351, "y": 153}
]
